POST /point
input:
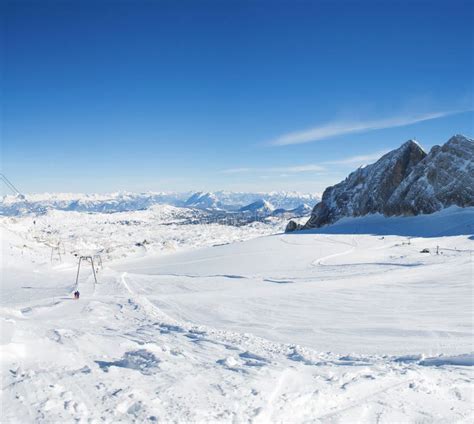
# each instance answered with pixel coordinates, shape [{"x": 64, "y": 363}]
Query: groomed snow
[{"x": 351, "y": 323}]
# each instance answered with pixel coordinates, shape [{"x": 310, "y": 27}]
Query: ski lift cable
[{"x": 9, "y": 184}]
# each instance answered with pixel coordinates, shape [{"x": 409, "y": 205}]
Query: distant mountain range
[
  {"x": 302, "y": 210},
  {"x": 219, "y": 201},
  {"x": 405, "y": 181},
  {"x": 106, "y": 203},
  {"x": 236, "y": 201}
]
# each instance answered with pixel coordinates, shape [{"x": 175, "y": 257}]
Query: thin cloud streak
[
  {"x": 340, "y": 128},
  {"x": 288, "y": 169},
  {"x": 312, "y": 167},
  {"x": 357, "y": 160}
]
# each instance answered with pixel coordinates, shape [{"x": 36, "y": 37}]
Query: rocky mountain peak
[
  {"x": 405, "y": 181},
  {"x": 367, "y": 189},
  {"x": 444, "y": 178}
]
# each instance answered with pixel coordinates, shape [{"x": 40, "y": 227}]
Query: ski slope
[
  {"x": 351, "y": 323},
  {"x": 340, "y": 292}
]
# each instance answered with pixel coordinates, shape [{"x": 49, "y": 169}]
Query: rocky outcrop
[
  {"x": 293, "y": 226},
  {"x": 405, "y": 181},
  {"x": 367, "y": 189},
  {"x": 444, "y": 178}
]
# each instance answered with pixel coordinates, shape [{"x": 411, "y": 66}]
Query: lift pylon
[{"x": 90, "y": 260}]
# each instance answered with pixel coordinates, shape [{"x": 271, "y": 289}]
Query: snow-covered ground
[
  {"x": 159, "y": 229},
  {"x": 351, "y": 323}
]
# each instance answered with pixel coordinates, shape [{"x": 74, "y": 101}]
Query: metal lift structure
[{"x": 87, "y": 259}]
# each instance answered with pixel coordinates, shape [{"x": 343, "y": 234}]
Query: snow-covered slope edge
[{"x": 451, "y": 221}]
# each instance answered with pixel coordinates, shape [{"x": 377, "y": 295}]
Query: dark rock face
[
  {"x": 292, "y": 226},
  {"x": 405, "y": 181},
  {"x": 444, "y": 178},
  {"x": 367, "y": 189}
]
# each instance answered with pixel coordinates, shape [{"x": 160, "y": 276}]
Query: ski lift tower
[{"x": 87, "y": 259}]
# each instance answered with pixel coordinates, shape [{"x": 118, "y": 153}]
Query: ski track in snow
[{"x": 155, "y": 342}]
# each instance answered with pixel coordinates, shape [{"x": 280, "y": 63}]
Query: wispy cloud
[
  {"x": 299, "y": 168},
  {"x": 336, "y": 128},
  {"x": 285, "y": 169},
  {"x": 322, "y": 167},
  {"x": 238, "y": 170},
  {"x": 357, "y": 160}
]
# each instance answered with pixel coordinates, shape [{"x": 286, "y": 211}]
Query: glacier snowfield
[{"x": 215, "y": 323}]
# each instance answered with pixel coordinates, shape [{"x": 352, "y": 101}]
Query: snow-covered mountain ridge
[
  {"x": 234, "y": 201},
  {"x": 405, "y": 181},
  {"x": 260, "y": 206},
  {"x": 126, "y": 201},
  {"x": 79, "y": 202}
]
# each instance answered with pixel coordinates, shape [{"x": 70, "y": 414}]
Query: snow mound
[{"x": 466, "y": 360}]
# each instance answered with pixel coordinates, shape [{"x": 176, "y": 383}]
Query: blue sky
[{"x": 241, "y": 95}]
